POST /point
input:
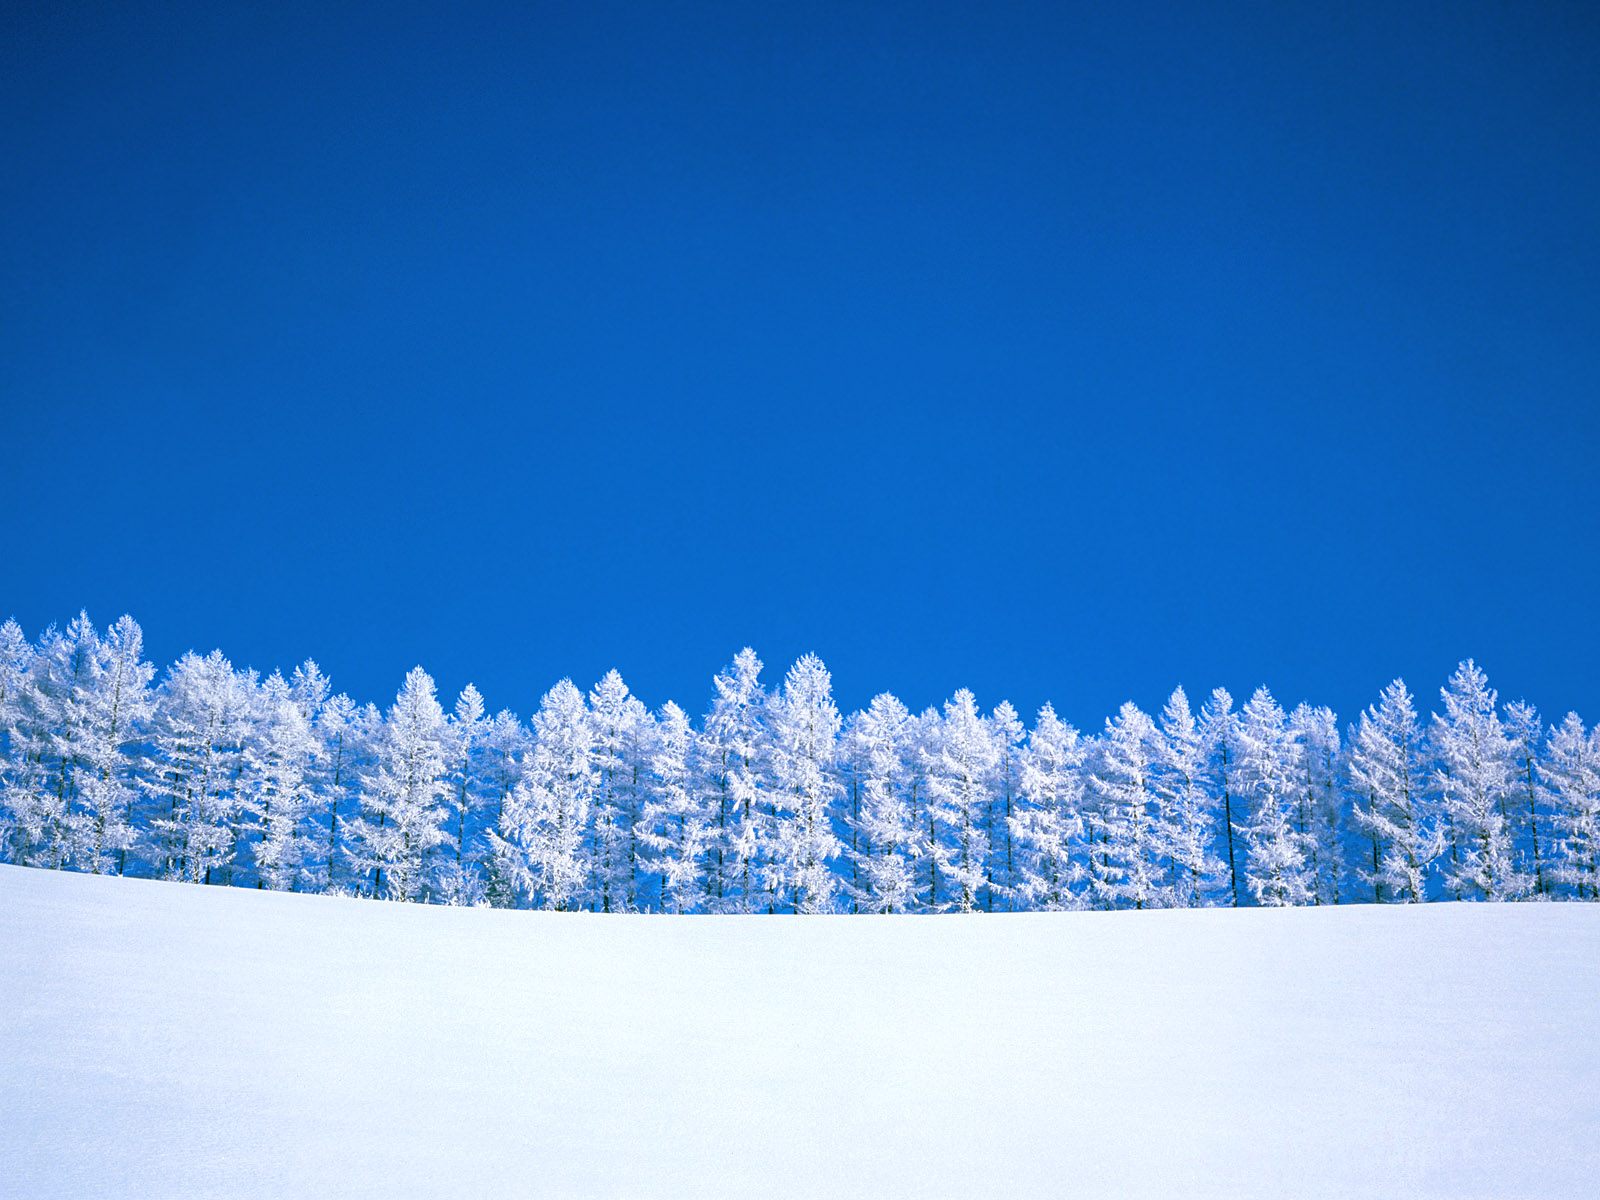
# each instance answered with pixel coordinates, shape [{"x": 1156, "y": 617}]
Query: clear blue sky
[{"x": 1057, "y": 351}]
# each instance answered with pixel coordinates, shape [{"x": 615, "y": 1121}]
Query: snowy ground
[{"x": 158, "y": 1039}]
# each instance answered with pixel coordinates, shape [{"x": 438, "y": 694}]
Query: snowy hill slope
[{"x": 158, "y": 1039}]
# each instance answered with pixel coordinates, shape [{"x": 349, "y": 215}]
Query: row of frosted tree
[{"x": 774, "y": 802}]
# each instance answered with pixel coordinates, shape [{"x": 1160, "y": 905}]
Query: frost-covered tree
[
  {"x": 1473, "y": 782},
  {"x": 16, "y": 661},
  {"x": 1391, "y": 809},
  {"x": 734, "y": 753},
  {"x": 675, "y": 827},
  {"x": 961, "y": 777},
  {"x": 1007, "y": 730},
  {"x": 541, "y": 847},
  {"x": 1188, "y": 805},
  {"x": 195, "y": 762},
  {"x": 805, "y": 788},
  {"x": 1277, "y": 870},
  {"x": 1217, "y": 722},
  {"x": 1570, "y": 789},
  {"x": 403, "y": 799},
  {"x": 1048, "y": 821},
  {"x": 883, "y": 823},
  {"x": 1126, "y": 861},
  {"x": 459, "y": 874},
  {"x": 1319, "y": 806},
  {"x": 1529, "y": 828},
  {"x": 279, "y": 759},
  {"x": 620, "y": 733},
  {"x": 346, "y": 735},
  {"x": 77, "y": 708}
]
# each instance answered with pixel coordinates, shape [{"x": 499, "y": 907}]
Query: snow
[{"x": 161, "y": 1038}]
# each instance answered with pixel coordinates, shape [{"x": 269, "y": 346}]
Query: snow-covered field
[{"x": 163, "y": 1039}]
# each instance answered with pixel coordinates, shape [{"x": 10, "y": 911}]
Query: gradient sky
[{"x": 1057, "y": 351}]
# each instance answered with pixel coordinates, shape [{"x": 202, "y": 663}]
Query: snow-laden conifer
[
  {"x": 1277, "y": 870},
  {"x": 1009, "y": 734},
  {"x": 1217, "y": 723},
  {"x": 619, "y": 737},
  {"x": 805, "y": 788},
  {"x": 403, "y": 798},
  {"x": 1392, "y": 812},
  {"x": 459, "y": 874},
  {"x": 541, "y": 845},
  {"x": 883, "y": 823},
  {"x": 1190, "y": 808},
  {"x": 1473, "y": 781},
  {"x": 1530, "y": 828},
  {"x": 961, "y": 777},
  {"x": 1128, "y": 843},
  {"x": 1570, "y": 790},
  {"x": 1048, "y": 821},
  {"x": 675, "y": 829},
  {"x": 735, "y": 753}
]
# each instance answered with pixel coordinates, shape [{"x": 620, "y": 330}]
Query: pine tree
[
  {"x": 1473, "y": 782},
  {"x": 403, "y": 798},
  {"x": 1190, "y": 807},
  {"x": 1276, "y": 871},
  {"x": 961, "y": 780},
  {"x": 1048, "y": 821},
  {"x": 541, "y": 845},
  {"x": 1217, "y": 723},
  {"x": 883, "y": 824},
  {"x": 1570, "y": 789},
  {"x": 675, "y": 826}
]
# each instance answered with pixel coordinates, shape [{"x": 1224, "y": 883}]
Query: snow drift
[{"x": 159, "y": 1039}]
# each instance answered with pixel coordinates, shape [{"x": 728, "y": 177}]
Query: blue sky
[{"x": 1061, "y": 352}]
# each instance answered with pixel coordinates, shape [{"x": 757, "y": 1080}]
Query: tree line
[{"x": 774, "y": 802}]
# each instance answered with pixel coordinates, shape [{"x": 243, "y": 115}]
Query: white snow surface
[{"x": 163, "y": 1039}]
